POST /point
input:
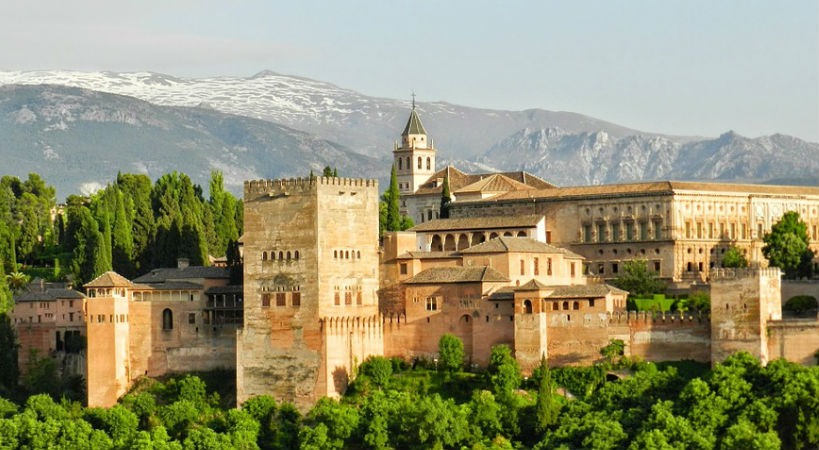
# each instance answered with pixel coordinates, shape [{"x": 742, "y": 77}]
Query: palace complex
[{"x": 518, "y": 262}]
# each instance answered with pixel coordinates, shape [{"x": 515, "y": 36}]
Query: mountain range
[{"x": 273, "y": 125}]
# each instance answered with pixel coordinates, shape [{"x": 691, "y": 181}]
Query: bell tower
[{"x": 414, "y": 159}]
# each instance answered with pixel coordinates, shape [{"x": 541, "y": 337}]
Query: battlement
[
  {"x": 724, "y": 274},
  {"x": 254, "y": 188},
  {"x": 656, "y": 317}
]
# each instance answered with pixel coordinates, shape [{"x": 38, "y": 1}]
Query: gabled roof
[
  {"x": 532, "y": 285},
  {"x": 47, "y": 295},
  {"x": 427, "y": 255},
  {"x": 505, "y": 244},
  {"x": 108, "y": 279},
  {"x": 186, "y": 273},
  {"x": 583, "y": 290},
  {"x": 496, "y": 182},
  {"x": 414, "y": 125},
  {"x": 479, "y": 223},
  {"x": 458, "y": 180},
  {"x": 441, "y": 275}
]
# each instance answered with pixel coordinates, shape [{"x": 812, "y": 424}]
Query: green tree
[
  {"x": 9, "y": 373},
  {"x": 446, "y": 198},
  {"x": 136, "y": 193},
  {"x": 733, "y": 257},
  {"x": 615, "y": 348},
  {"x": 392, "y": 217},
  {"x": 451, "y": 352},
  {"x": 637, "y": 279},
  {"x": 546, "y": 408},
  {"x": 786, "y": 246}
]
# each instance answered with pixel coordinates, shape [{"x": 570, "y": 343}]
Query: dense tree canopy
[
  {"x": 637, "y": 279},
  {"x": 786, "y": 246},
  {"x": 738, "y": 404}
]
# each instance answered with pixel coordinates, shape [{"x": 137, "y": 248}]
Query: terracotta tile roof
[
  {"x": 493, "y": 183},
  {"x": 506, "y": 244},
  {"x": 436, "y": 275},
  {"x": 427, "y": 255},
  {"x": 651, "y": 188},
  {"x": 458, "y": 180},
  {"x": 47, "y": 295},
  {"x": 532, "y": 285},
  {"x": 108, "y": 279},
  {"x": 582, "y": 290},
  {"x": 479, "y": 223},
  {"x": 169, "y": 286},
  {"x": 186, "y": 273}
]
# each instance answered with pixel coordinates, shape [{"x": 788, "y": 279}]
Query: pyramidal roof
[
  {"x": 496, "y": 182},
  {"x": 109, "y": 279},
  {"x": 414, "y": 125}
]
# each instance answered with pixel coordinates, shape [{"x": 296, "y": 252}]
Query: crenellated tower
[
  {"x": 414, "y": 159},
  {"x": 310, "y": 280}
]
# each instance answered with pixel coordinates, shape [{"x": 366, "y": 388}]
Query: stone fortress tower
[{"x": 310, "y": 287}]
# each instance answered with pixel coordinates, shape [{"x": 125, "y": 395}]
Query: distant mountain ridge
[
  {"x": 355, "y": 132},
  {"x": 78, "y": 139},
  {"x": 570, "y": 159},
  {"x": 368, "y": 125}
]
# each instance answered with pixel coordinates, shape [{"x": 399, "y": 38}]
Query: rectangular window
[
  {"x": 643, "y": 231},
  {"x": 549, "y": 237},
  {"x": 710, "y": 230},
  {"x": 432, "y": 304},
  {"x": 722, "y": 231},
  {"x": 348, "y": 298},
  {"x": 403, "y": 268},
  {"x": 744, "y": 230},
  {"x": 337, "y": 299},
  {"x": 358, "y": 298},
  {"x": 591, "y": 303},
  {"x": 191, "y": 318},
  {"x": 522, "y": 267},
  {"x": 615, "y": 232},
  {"x": 657, "y": 266},
  {"x": 548, "y": 266},
  {"x": 614, "y": 267},
  {"x": 280, "y": 299},
  {"x": 601, "y": 269},
  {"x": 536, "y": 266},
  {"x": 658, "y": 230},
  {"x": 587, "y": 233},
  {"x": 71, "y": 317},
  {"x": 296, "y": 299},
  {"x": 699, "y": 230},
  {"x": 571, "y": 269},
  {"x": 759, "y": 231},
  {"x": 265, "y": 300},
  {"x": 601, "y": 232},
  {"x": 629, "y": 231},
  {"x": 733, "y": 234}
]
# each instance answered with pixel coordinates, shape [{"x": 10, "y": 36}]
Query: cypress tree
[
  {"x": 446, "y": 198},
  {"x": 392, "y": 197}
]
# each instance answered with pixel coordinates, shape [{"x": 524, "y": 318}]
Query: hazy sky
[{"x": 679, "y": 67}]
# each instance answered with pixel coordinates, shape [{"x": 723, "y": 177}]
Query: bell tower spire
[{"x": 414, "y": 159}]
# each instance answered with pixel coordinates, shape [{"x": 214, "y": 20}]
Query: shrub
[{"x": 800, "y": 303}]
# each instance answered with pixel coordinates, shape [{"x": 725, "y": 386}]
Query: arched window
[
  {"x": 555, "y": 306},
  {"x": 527, "y": 307},
  {"x": 167, "y": 319},
  {"x": 409, "y": 163},
  {"x": 288, "y": 255},
  {"x": 400, "y": 163},
  {"x": 264, "y": 256},
  {"x": 576, "y": 305},
  {"x": 346, "y": 254},
  {"x": 335, "y": 253},
  {"x": 358, "y": 254},
  {"x": 428, "y": 163},
  {"x": 420, "y": 162},
  {"x": 565, "y": 306},
  {"x": 296, "y": 255},
  {"x": 281, "y": 256}
]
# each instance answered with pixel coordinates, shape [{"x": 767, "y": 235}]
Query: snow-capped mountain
[
  {"x": 596, "y": 158},
  {"x": 79, "y": 139},
  {"x": 367, "y": 125}
]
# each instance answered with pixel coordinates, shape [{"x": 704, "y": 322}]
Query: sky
[{"x": 685, "y": 67}]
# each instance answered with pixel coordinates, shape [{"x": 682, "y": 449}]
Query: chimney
[{"x": 182, "y": 263}]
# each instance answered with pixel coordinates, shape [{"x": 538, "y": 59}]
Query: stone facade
[{"x": 310, "y": 251}]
